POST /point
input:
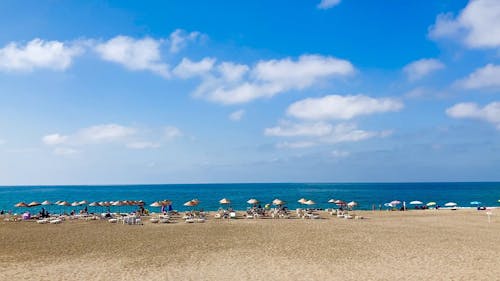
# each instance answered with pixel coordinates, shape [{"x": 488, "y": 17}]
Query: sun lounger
[
  {"x": 56, "y": 221},
  {"x": 113, "y": 220},
  {"x": 44, "y": 221}
]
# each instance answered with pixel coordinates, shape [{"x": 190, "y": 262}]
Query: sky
[{"x": 128, "y": 92}]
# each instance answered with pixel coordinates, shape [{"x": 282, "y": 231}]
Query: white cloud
[
  {"x": 288, "y": 129},
  {"x": 92, "y": 135},
  {"x": 237, "y": 115},
  {"x": 341, "y": 107},
  {"x": 54, "y": 139},
  {"x": 477, "y": 25},
  {"x": 172, "y": 132},
  {"x": 323, "y": 132},
  {"x": 38, "y": 54},
  {"x": 65, "y": 151},
  {"x": 485, "y": 77},
  {"x": 180, "y": 38},
  {"x": 232, "y": 72},
  {"x": 340, "y": 153},
  {"x": 230, "y": 83},
  {"x": 421, "y": 68},
  {"x": 468, "y": 110},
  {"x": 297, "y": 144},
  {"x": 134, "y": 54},
  {"x": 187, "y": 68},
  {"x": 327, "y": 4},
  {"x": 142, "y": 145}
]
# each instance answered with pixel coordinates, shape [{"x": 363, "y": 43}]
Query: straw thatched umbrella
[
  {"x": 21, "y": 205},
  {"x": 34, "y": 204}
]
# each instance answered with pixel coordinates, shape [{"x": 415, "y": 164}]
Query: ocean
[{"x": 365, "y": 194}]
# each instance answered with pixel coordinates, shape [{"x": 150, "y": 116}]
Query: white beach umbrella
[
  {"x": 94, "y": 204},
  {"x": 155, "y": 204},
  {"x": 46, "y": 202},
  {"x": 352, "y": 204},
  {"x": 83, "y": 202},
  {"x": 75, "y": 204},
  {"x": 395, "y": 202},
  {"x": 416, "y": 202},
  {"x": 253, "y": 201},
  {"x": 309, "y": 202},
  {"x": 278, "y": 202},
  {"x": 225, "y": 201},
  {"x": 332, "y": 201},
  {"x": 451, "y": 204},
  {"x": 302, "y": 200}
]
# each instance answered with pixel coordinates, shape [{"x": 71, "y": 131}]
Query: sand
[{"x": 414, "y": 245}]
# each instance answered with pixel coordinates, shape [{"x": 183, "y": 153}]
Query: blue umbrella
[{"x": 475, "y": 203}]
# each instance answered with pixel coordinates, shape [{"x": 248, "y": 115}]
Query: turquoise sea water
[{"x": 366, "y": 194}]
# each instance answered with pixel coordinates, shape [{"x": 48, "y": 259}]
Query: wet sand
[{"x": 415, "y": 245}]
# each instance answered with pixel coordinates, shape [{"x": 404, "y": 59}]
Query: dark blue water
[{"x": 366, "y": 194}]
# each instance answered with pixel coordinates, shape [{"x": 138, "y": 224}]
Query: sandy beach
[{"x": 414, "y": 245}]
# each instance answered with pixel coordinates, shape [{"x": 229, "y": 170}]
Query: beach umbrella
[
  {"x": 166, "y": 202},
  {"x": 58, "y": 202},
  {"x": 431, "y": 204},
  {"x": 278, "y": 202},
  {"x": 451, "y": 204},
  {"x": 388, "y": 205},
  {"x": 21, "y": 205},
  {"x": 352, "y": 204},
  {"x": 475, "y": 203},
  {"x": 416, "y": 203},
  {"x": 395, "y": 202},
  {"x": 332, "y": 201},
  {"x": 302, "y": 200},
  {"x": 83, "y": 202},
  {"x": 75, "y": 204},
  {"x": 46, "y": 202},
  {"x": 34, "y": 204},
  {"x": 309, "y": 202},
  {"x": 94, "y": 204},
  {"x": 191, "y": 203},
  {"x": 155, "y": 204},
  {"x": 64, "y": 203},
  {"x": 253, "y": 201},
  {"x": 225, "y": 201}
]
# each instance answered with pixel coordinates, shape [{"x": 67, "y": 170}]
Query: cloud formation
[
  {"x": 341, "y": 107},
  {"x": 231, "y": 83},
  {"x": 38, "y": 54},
  {"x": 180, "y": 38},
  {"x": 476, "y": 26},
  {"x": 237, "y": 115},
  {"x": 327, "y": 4},
  {"x": 481, "y": 78},
  {"x": 469, "y": 110},
  {"x": 420, "y": 68},
  {"x": 134, "y": 54},
  {"x": 322, "y": 132}
]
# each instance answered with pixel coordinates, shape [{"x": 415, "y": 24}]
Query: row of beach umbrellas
[{"x": 224, "y": 201}]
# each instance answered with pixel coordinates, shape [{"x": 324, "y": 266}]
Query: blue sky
[{"x": 118, "y": 92}]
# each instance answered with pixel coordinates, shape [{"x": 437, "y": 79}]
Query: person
[
  {"x": 170, "y": 208},
  {"x": 2, "y": 212}
]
